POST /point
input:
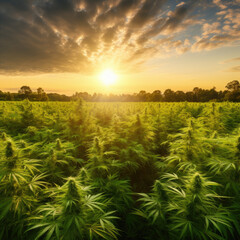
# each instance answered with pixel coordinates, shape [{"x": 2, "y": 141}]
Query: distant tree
[
  {"x": 212, "y": 94},
  {"x": 190, "y": 96},
  {"x": 83, "y": 95},
  {"x": 9, "y": 96},
  {"x": 142, "y": 96},
  {"x": 156, "y": 96},
  {"x": 233, "y": 85},
  {"x": 25, "y": 92},
  {"x": 233, "y": 93},
  {"x": 180, "y": 96},
  {"x": 221, "y": 95},
  {"x": 197, "y": 93},
  {"x": 58, "y": 97},
  {"x": 44, "y": 97},
  {"x": 169, "y": 95},
  {"x": 2, "y": 95},
  {"x": 41, "y": 95},
  {"x": 233, "y": 96},
  {"x": 40, "y": 91}
]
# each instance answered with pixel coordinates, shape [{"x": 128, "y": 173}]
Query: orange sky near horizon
[{"x": 183, "y": 73}]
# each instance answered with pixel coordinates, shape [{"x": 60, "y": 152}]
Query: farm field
[{"x": 77, "y": 170}]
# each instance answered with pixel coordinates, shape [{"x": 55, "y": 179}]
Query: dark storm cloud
[{"x": 76, "y": 35}]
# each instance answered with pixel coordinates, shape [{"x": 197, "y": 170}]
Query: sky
[{"x": 64, "y": 45}]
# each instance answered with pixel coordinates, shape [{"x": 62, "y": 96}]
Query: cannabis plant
[{"x": 73, "y": 214}]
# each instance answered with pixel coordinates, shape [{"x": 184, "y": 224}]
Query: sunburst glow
[{"x": 108, "y": 77}]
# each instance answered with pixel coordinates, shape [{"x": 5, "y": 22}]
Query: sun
[{"x": 108, "y": 77}]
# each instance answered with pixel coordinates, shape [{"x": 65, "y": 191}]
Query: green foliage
[
  {"x": 73, "y": 214},
  {"x": 119, "y": 171}
]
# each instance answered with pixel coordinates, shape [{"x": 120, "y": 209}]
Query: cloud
[
  {"x": 222, "y": 33},
  {"x": 177, "y": 16},
  {"x": 146, "y": 13},
  {"x": 226, "y": 38},
  {"x": 180, "y": 4},
  {"x": 232, "y": 60},
  {"x": 211, "y": 28},
  {"x": 219, "y": 4},
  {"x": 26, "y": 47},
  {"x": 234, "y": 69},
  {"x": 213, "y": 42},
  {"x": 118, "y": 13},
  {"x": 39, "y": 36},
  {"x": 167, "y": 25}
]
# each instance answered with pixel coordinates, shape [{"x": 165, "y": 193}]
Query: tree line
[{"x": 232, "y": 93}]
